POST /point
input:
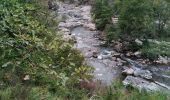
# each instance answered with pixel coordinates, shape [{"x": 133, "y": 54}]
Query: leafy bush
[
  {"x": 32, "y": 53},
  {"x": 154, "y": 50},
  {"x": 102, "y": 13},
  {"x": 111, "y": 32},
  {"x": 161, "y": 16},
  {"x": 135, "y": 20}
]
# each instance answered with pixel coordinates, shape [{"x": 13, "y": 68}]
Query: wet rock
[
  {"x": 128, "y": 71},
  {"x": 141, "y": 84},
  {"x": 146, "y": 74},
  {"x": 100, "y": 57},
  {"x": 105, "y": 52}
]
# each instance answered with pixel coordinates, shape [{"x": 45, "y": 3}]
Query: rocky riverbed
[{"x": 76, "y": 25}]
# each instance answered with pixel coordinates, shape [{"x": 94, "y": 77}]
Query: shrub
[
  {"x": 102, "y": 13},
  {"x": 154, "y": 50},
  {"x": 111, "y": 32},
  {"x": 32, "y": 53},
  {"x": 161, "y": 16},
  {"x": 135, "y": 20}
]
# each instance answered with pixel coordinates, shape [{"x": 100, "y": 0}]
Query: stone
[
  {"x": 128, "y": 54},
  {"x": 128, "y": 71},
  {"x": 26, "y": 78},
  {"x": 141, "y": 84},
  {"x": 163, "y": 60},
  {"x": 105, "y": 52},
  {"x": 90, "y": 26},
  {"x": 138, "y": 54},
  {"x": 116, "y": 54},
  {"x": 119, "y": 64},
  {"x": 146, "y": 74},
  {"x": 138, "y": 42},
  {"x": 100, "y": 57}
]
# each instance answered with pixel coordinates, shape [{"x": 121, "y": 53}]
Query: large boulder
[
  {"x": 128, "y": 71},
  {"x": 141, "y": 84},
  {"x": 146, "y": 74}
]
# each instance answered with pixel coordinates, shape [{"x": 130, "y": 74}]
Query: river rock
[
  {"x": 129, "y": 54},
  {"x": 138, "y": 42},
  {"x": 105, "y": 52},
  {"x": 90, "y": 26},
  {"x": 141, "y": 84},
  {"x": 138, "y": 54},
  {"x": 116, "y": 54},
  {"x": 146, "y": 74},
  {"x": 128, "y": 71},
  {"x": 163, "y": 60},
  {"x": 101, "y": 56}
]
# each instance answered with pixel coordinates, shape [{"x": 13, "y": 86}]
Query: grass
[
  {"x": 115, "y": 92},
  {"x": 119, "y": 92}
]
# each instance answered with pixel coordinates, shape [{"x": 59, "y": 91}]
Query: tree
[
  {"x": 162, "y": 17},
  {"x": 135, "y": 19},
  {"x": 102, "y": 13}
]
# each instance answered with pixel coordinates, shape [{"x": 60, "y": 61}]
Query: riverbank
[{"x": 78, "y": 26}]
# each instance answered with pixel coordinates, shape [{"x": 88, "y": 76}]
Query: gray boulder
[
  {"x": 141, "y": 84},
  {"x": 146, "y": 74}
]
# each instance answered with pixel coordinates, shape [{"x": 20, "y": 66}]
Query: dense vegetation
[
  {"x": 137, "y": 19},
  {"x": 36, "y": 64},
  {"x": 33, "y": 56}
]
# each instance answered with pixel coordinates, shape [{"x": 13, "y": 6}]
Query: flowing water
[
  {"x": 77, "y": 21},
  {"x": 87, "y": 43}
]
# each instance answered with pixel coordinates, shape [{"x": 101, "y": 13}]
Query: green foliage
[
  {"x": 32, "y": 53},
  {"x": 102, "y": 13},
  {"x": 161, "y": 15},
  {"x": 111, "y": 33},
  {"x": 135, "y": 20},
  {"x": 154, "y": 50}
]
